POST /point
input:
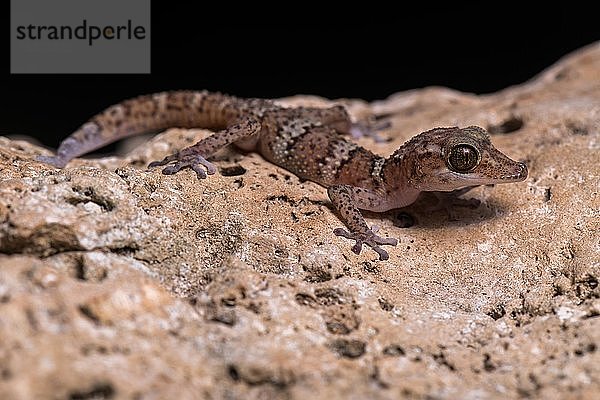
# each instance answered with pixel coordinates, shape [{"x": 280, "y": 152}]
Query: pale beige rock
[{"x": 118, "y": 282}]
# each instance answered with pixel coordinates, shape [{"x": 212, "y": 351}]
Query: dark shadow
[{"x": 419, "y": 215}]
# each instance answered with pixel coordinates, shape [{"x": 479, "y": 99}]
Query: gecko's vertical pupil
[{"x": 463, "y": 158}]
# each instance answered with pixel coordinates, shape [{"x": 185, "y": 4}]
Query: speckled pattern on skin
[{"x": 309, "y": 143}]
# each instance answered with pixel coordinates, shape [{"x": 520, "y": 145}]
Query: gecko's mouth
[{"x": 515, "y": 172}]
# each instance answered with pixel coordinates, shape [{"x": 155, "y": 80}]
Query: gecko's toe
[
  {"x": 172, "y": 169},
  {"x": 383, "y": 255},
  {"x": 164, "y": 161},
  {"x": 199, "y": 171}
]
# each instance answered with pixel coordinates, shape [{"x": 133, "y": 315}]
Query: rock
[{"x": 119, "y": 282}]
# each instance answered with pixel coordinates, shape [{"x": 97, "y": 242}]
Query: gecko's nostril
[{"x": 522, "y": 170}]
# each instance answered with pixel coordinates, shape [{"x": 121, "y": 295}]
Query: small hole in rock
[
  {"x": 577, "y": 129},
  {"x": 89, "y": 314},
  {"x": 497, "y": 312},
  {"x": 394, "y": 350},
  {"x": 80, "y": 270},
  {"x": 348, "y": 348},
  {"x": 590, "y": 280},
  {"x": 318, "y": 276},
  {"x": 337, "y": 328},
  {"x": 6, "y": 374},
  {"x": 233, "y": 373},
  {"x": 487, "y": 363},
  {"x": 562, "y": 74},
  {"x": 403, "y": 220},
  {"x": 235, "y": 170},
  {"x": 591, "y": 347},
  {"x": 385, "y": 304},
  {"x": 509, "y": 125},
  {"x": 239, "y": 183},
  {"x": 100, "y": 391},
  {"x": 371, "y": 267},
  {"x": 547, "y": 195}
]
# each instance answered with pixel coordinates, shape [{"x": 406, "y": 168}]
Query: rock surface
[{"x": 119, "y": 282}]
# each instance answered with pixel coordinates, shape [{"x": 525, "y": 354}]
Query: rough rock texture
[{"x": 118, "y": 282}]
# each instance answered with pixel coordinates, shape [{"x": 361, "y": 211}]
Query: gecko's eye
[{"x": 463, "y": 158}]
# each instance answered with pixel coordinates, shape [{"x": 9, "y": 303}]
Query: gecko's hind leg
[
  {"x": 193, "y": 157},
  {"x": 337, "y": 117},
  {"x": 370, "y": 129}
]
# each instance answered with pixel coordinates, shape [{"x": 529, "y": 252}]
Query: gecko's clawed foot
[
  {"x": 370, "y": 239},
  {"x": 369, "y": 128},
  {"x": 182, "y": 160}
]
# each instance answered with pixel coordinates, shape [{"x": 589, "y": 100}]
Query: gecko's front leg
[
  {"x": 346, "y": 199},
  {"x": 195, "y": 157}
]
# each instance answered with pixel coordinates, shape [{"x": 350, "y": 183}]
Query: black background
[{"x": 297, "y": 48}]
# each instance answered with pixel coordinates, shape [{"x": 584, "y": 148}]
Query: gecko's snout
[{"x": 520, "y": 173}]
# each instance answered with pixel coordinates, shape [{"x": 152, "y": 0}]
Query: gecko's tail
[
  {"x": 52, "y": 160},
  {"x": 84, "y": 140},
  {"x": 186, "y": 109}
]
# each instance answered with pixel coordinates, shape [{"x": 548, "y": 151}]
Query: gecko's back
[{"x": 309, "y": 143}]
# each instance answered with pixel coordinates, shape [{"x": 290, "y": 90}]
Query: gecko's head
[{"x": 451, "y": 158}]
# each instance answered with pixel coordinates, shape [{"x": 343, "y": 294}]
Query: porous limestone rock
[{"x": 120, "y": 282}]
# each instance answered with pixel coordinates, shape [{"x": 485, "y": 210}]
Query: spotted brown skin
[{"x": 310, "y": 143}]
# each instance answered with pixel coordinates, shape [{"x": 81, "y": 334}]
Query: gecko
[{"x": 311, "y": 143}]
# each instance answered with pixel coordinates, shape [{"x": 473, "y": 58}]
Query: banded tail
[{"x": 154, "y": 112}]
